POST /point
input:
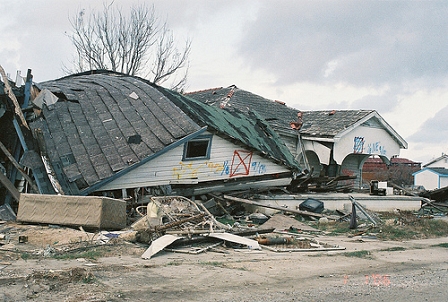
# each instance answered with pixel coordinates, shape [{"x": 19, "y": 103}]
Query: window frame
[{"x": 201, "y": 138}]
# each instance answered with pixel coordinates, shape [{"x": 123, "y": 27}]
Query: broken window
[{"x": 198, "y": 148}]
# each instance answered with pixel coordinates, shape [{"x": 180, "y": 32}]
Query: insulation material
[{"x": 90, "y": 212}]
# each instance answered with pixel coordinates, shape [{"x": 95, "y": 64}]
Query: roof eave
[
  {"x": 97, "y": 186},
  {"x": 403, "y": 144}
]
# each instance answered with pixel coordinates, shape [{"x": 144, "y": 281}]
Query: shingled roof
[
  {"x": 276, "y": 113},
  {"x": 322, "y": 124},
  {"x": 104, "y": 123},
  {"x": 248, "y": 128},
  {"x": 329, "y": 123}
]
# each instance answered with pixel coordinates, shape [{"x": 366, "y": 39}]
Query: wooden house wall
[{"x": 227, "y": 160}]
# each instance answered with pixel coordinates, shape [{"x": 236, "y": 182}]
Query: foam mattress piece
[{"x": 91, "y": 212}]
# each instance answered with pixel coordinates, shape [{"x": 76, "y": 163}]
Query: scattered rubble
[{"x": 180, "y": 225}]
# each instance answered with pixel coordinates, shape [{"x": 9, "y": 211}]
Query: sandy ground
[{"x": 391, "y": 271}]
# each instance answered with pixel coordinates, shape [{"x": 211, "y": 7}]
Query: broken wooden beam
[
  {"x": 258, "y": 204},
  {"x": 361, "y": 208},
  {"x": 13, "y": 98},
  {"x": 177, "y": 223},
  {"x": 19, "y": 168},
  {"x": 427, "y": 202},
  {"x": 9, "y": 186}
]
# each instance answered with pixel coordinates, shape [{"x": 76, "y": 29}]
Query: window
[{"x": 198, "y": 148}]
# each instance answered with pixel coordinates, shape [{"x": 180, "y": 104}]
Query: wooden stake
[{"x": 11, "y": 95}]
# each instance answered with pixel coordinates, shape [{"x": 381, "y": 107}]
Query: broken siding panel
[
  {"x": 228, "y": 160},
  {"x": 351, "y": 166},
  {"x": 156, "y": 172},
  {"x": 170, "y": 169}
]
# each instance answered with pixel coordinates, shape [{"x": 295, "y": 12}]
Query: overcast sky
[{"x": 390, "y": 56}]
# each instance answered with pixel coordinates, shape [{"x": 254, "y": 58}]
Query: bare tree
[{"x": 136, "y": 45}]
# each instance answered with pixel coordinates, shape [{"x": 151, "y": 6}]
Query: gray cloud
[
  {"x": 434, "y": 130},
  {"x": 365, "y": 42}
]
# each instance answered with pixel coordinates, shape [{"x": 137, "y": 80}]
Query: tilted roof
[
  {"x": 321, "y": 124},
  {"x": 329, "y": 123},
  {"x": 436, "y": 160},
  {"x": 104, "y": 123},
  {"x": 437, "y": 170},
  {"x": 276, "y": 113},
  {"x": 248, "y": 128}
]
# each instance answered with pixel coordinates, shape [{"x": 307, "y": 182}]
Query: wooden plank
[
  {"x": 9, "y": 186},
  {"x": 19, "y": 168},
  {"x": 11, "y": 95}
]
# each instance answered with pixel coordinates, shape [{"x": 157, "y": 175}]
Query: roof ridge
[{"x": 203, "y": 90}]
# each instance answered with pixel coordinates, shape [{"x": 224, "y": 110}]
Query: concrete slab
[{"x": 341, "y": 201}]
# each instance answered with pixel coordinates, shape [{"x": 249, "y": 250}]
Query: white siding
[
  {"x": 443, "y": 182},
  {"x": 227, "y": 160},
  {"x": 428, "y": 179},
  {"x": 441, "y": 163}
]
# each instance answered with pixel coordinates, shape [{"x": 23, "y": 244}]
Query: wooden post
[
  {"x": 19, "y": 168},
  {"x": 9, "y": 186},
  {"x": 11, "y": 95}
]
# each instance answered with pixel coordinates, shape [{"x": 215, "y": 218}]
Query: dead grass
[
  {"x": 399, "y": 226},
  {"x": 408, "y": 226}
]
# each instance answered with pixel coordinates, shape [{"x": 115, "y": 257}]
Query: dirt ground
[{"x": 366, "y": 270}]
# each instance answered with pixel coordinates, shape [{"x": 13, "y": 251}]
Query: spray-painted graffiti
[
  {"x": 358, "y": 146},
  {"x": 190, "y": 170},
  {"x": 376, "y": 148},
  {"x": 240, "y": 163},
  {"x": 226, "y": 168},
  {"x": 372, "y": 148},
  {"x": 185, "y": 171},
  {"x": 258, "y": 167}
]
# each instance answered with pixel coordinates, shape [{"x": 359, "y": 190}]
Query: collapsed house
[
  {"x": 109, "y": 134},
  {"x": 331, "y": 143}
]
